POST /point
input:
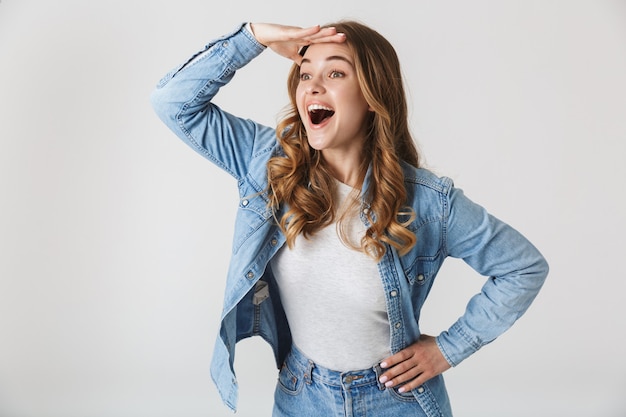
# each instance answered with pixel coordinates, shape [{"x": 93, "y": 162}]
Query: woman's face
[{"x": 330, "y": 102}]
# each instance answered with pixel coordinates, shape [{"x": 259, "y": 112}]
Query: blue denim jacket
[{"x": 447, "y": 223}]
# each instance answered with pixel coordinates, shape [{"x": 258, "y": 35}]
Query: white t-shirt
[{"x": 333, "y": 297}]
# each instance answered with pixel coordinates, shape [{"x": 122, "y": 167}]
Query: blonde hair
[{"x": 301, "y": 178}]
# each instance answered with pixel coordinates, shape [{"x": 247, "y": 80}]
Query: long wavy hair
[{"x": 301, "y": 179}]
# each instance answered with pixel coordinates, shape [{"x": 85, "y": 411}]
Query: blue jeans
[{"x": 305, "y": 389}]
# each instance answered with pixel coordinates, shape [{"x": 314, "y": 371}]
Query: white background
[{"x": 114, "y": 236}]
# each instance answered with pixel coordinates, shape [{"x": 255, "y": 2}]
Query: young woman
[{"x": 340, "y": 233}]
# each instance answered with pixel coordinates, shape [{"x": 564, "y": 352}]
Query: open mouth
[{"x": 319, "y": 113}]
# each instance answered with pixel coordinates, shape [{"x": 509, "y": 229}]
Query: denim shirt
[{"x": 447, "y": 223}]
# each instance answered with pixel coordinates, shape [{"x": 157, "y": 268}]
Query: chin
[{"x": 317, "y": 147}]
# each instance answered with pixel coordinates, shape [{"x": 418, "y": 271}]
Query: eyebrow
[{"x": 330, "y": 58}]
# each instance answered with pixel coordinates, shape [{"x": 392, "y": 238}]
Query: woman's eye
[
  {"x": 304, "y": 77},
  {"x": 336, "y": 74}
]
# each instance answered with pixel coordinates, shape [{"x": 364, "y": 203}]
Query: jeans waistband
[{"x": 316, "y": 373}]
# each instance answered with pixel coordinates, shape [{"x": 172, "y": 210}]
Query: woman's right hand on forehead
[{"x": 288, "y": 40}]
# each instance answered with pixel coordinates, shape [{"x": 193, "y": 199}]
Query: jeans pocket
[
  {"x": 288, "y": 381},
  {"x": 402, "y": 396},
  {"x": 431, "y": 397}
]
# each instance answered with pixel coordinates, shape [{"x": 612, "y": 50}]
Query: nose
[{"x": 315, "y": 86}]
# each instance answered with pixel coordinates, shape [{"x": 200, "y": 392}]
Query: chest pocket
[
  {"x": 251, "y": 214},
  {"x": 420, "y": 264}
]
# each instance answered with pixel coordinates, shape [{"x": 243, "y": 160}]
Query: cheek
[
  {"x": 300, "y": 102},
  {"x": 361, "y": 103}
]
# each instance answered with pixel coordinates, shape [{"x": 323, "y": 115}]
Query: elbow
[
  {"x": 541, "y": 268},
  {"x": 158, "y": 103},
  {"x": 545, "y": 267},
  {"x": 164, "y": 108},
  {"x": 534, "y": 272}
]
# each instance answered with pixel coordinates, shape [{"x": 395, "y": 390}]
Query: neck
[{"x": 345, "y": 168}]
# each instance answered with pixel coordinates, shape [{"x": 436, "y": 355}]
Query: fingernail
[
  {"x": 401, "y": 389},
  {"x": 388, "y": 384},
  {"x": 383, "y": 364},
  {"x": 383, "y": 379}
]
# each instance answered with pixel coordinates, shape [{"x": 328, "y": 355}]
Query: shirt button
[
  {"x": 366, "y": 211},
  {"x": 225, "y": 44},
  {"x": 250, "y": 275},
  {"x": 244, "y": 202},
  {"x": 274, "y": 242},
  {"x": 393, "y": 293},
  {"x": 420, "y": 277},
  {"x": 398, "y": 325},
  {"x": 420, "y": 390}
]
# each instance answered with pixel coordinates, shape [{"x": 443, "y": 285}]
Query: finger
[
  {"x": 393, "y": 373},
  {"x": 415, "y": 383},
  {"x": 304, "y": 33},
  {"x": 315, "y": 32},
  {"x": 328, "y": 34},
  {"x": 406, "y": 376},
  {"x": 399, "y": 357},
  {"x": 336, "y": 38}
]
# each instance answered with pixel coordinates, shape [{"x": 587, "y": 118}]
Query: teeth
[{"x": 313, "y": 107}]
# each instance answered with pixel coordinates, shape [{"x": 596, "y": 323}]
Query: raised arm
[{"x": 182, "y": 99}]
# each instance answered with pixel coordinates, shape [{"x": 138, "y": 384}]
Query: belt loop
[
  {"x": 378, "y": 371},
  {"x": 308, "y": 374}
]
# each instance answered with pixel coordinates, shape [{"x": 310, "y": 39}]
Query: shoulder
[
  {"x": 428, "y": 194},
  {"x": 423, "y": 180}
]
